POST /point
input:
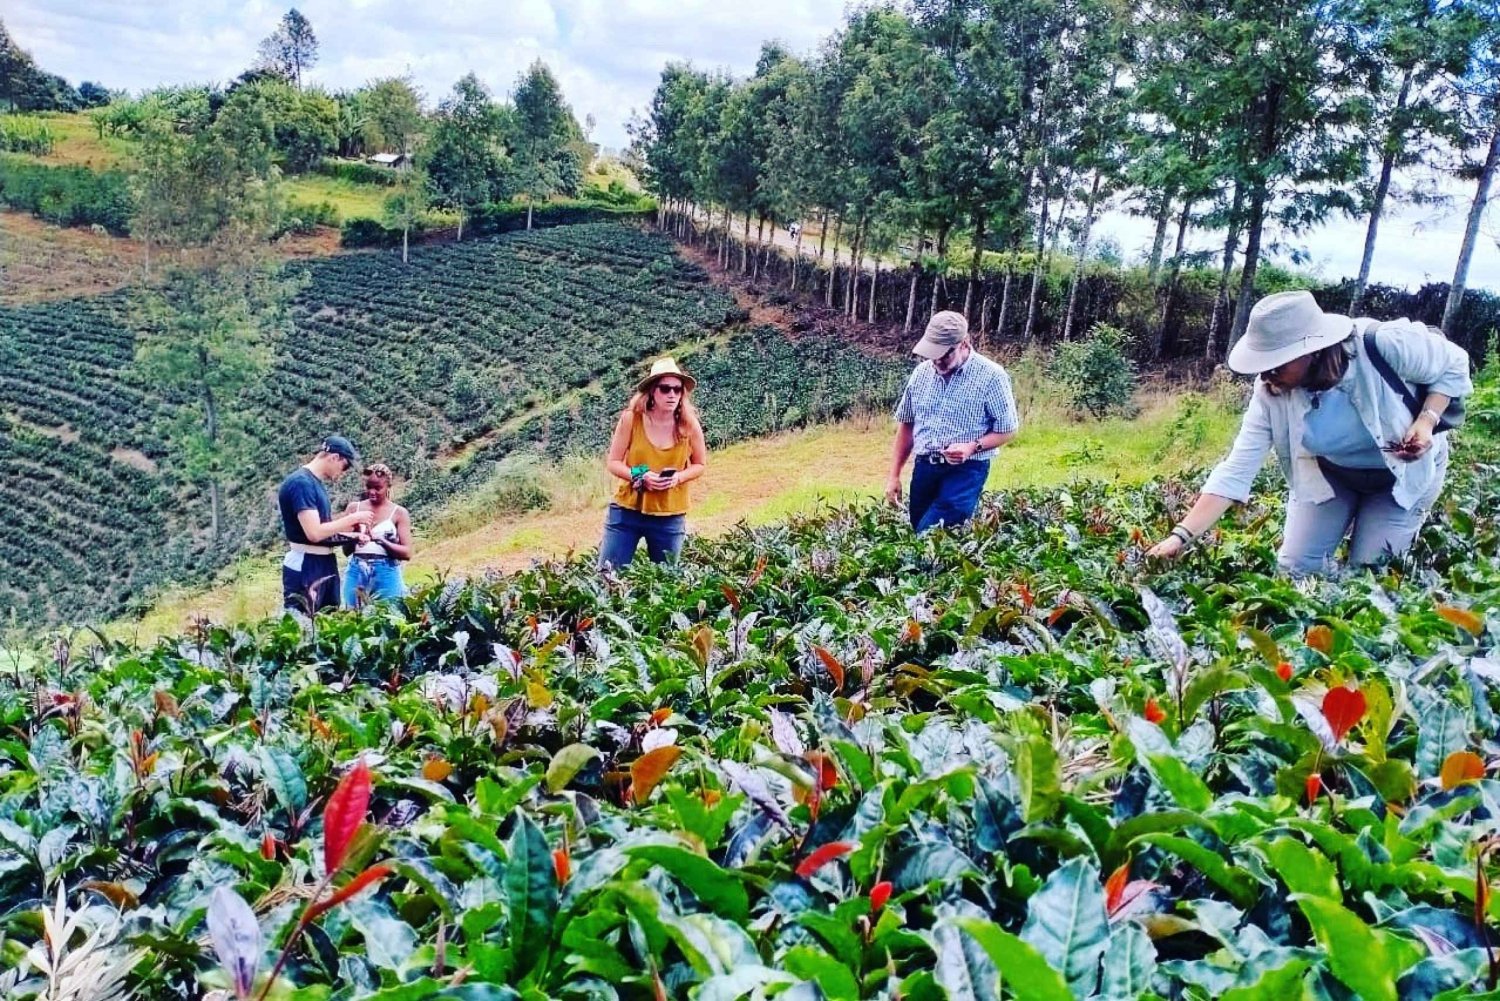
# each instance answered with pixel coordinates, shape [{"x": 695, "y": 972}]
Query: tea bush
[{"x": 1097, "y": 372}]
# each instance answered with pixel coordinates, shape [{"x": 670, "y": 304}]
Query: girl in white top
[
  {"x": 374, "y": 571},
  {"x": 1358, "y": 461}
]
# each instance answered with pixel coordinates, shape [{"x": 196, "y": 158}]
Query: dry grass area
[{"x": 39, "y": 261}]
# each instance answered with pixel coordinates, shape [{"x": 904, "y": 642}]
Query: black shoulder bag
[{"x": 1452, "y": 417}]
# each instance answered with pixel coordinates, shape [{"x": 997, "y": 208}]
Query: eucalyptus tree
[
  {"x": 1479, "y": 91},
  {"x": 1416, "y": 48}
]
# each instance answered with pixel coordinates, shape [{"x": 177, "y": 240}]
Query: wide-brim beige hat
[
  {"x": 661, "y": 367},
  {"x": 1284, "y": 326}
]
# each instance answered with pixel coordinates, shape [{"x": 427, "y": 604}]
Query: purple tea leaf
[
  {"x": 236, "y": 937},
  {"x": 784, "y": 732},
  {"x": 752, "y": 785}
]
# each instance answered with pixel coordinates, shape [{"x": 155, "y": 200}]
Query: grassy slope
[{"x": 757, "y": 481}]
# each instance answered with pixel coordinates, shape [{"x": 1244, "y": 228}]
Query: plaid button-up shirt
[{"x": 972, "y": 400}]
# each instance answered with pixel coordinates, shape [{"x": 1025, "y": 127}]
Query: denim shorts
[
  {"x": 624, "y": 529},
  {"x": 373, "y": 579}
]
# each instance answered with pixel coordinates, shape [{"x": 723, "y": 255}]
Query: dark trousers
[
  {"x": 945, "y": 495},
  {"x": 312, "y": 588},
  {"x": 624, "y": 529}
]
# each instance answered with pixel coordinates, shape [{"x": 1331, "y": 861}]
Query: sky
[{"x": 608, "y": 55}]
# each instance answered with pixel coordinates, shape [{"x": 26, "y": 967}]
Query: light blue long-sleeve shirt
[{"x": 1419, "y": 355}]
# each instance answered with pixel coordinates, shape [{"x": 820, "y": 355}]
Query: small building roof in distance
[{"x": 387, "y": 159}]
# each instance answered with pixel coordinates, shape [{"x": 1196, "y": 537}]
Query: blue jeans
[
  {"x": 376, "y": 579},
  {"x": 945, "y": 495},
  {"x": 624, "y": 529}
]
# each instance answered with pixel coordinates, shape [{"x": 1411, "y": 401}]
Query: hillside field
[{"x": 476, "y": 351}]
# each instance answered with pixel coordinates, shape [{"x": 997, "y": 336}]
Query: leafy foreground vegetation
[
  {"x": 525, "y": 344},
  {"x": 821, "y": 759}
]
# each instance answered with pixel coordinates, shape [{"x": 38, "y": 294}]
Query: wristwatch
[
  {"x": 1437, "y": 418},
  {"x": 1183, "y": 534}
]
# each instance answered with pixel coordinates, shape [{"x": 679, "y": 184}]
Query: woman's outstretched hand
[{"x": 1167, "y": 549}]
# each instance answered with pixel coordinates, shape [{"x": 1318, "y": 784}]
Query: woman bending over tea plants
[
  {"x": 1355, "y": 411},
  {"x": 656, "y": 451},
  {"x": 374, "y": 570}
]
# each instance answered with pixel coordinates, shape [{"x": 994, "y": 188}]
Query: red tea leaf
[
  {"x": 879, "y": 894},
  {"x": 345, "y": 812},
  {"x": 1284, "y": 671},
  {"x": 268, "y": 846},
  {"x": 1314, "y": 786},
  {"x": 835, "y": 668},
  {"x": 733, "y": 597},
  {"x": 1320, "y": 638},
  {"x": 1114, "y": 887},
  {"x": 660, "y": 716},
  {"x": 1343, "y": 708},
  {"x": 562, "y": 865},
  {"x": 1153, "y": 712},
  {"x": 824, "y": 855},
  {"x": 1460, "y": 767},
  {"x": 369, "y": 877},
  {"x": 828, "y": 775},
  {"x": 649, "y": 769}
]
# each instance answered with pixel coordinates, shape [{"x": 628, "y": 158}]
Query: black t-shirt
[{"x": 301, "y": 491}]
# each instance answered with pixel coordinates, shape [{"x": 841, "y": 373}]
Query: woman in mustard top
[{"x": 656, "y": 451}]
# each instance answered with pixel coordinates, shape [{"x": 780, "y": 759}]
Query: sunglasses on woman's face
[{"x": 669, "y": 387}]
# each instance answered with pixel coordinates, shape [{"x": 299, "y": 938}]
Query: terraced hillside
[{"x": 442, "y": 367}]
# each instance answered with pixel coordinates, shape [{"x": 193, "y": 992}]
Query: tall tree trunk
[
  {"x": 874, "y": 286},
  {"x": 760, "y": 246},
  {"x": 856, "y": 260},
  {"x": 911, "y": 293},
  {"x": 1471, "y": 231},
  {"x": 1083, "y": 254},
  {"x": 211, "y": 433},
  {"x": 1163, "y": 214},
  {"x": 1393, "y": 142},
  {"x": 974, "y": 266},
  {"x": 1221, "y": 294},
  {"x": 405, "y": 239},
  {"x": 1036, "y": 269},
  {"x": 940, "y": 280},
  {"x": 833, "y": 266},
  {"x": 1246, "y": 300},
  {"x": 745, "y": 247},
  {"x": 528, "y": 213},
  {"x": 796, "y": 258},
  {"x": 460, "y": 237},
  {"x": 1171, "y": 294},
  {"x": 985, "y": 298},
  {"x": 1010, "y": 274},
  {"x": 822, "y": 236}
]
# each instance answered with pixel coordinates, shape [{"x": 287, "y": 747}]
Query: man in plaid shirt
[{"x": 956, "y": 410}]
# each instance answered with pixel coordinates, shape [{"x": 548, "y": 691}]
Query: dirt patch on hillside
[
  {"x": 796, "y": 315},
  {"x": 131, "y": 457},
  {"x": 40, "y": 261}
]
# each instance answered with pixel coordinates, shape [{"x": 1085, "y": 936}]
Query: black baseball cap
[{"x": 341, "y": 446}]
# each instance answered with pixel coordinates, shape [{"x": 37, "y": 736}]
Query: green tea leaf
[
  {"x": 1129, "y": 964},
  {"x": 719, "y": 889},
  {"x": 1040, "y": 776},
  {"x": 566, "y": 763},
  {"x": 284, "y": 776},
  {"x": 1066, "y": 922},
  {"x": 1366, "y": 960},
  {"x": 530, "y": 892},
  {"x": 1302, "y": 869},
  {"x": 1274, "y": 985},
  {"x": 1241, "y": 887},
  {"x": 1024, "y": 971}
]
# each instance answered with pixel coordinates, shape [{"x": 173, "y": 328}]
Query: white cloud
[{"x": 608, "y": 55}]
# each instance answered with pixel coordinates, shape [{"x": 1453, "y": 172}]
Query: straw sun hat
[
  {"x": 661, "y": 367},
  {"x": 1284, "y": 326}
]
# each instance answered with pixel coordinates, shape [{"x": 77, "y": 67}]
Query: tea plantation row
[
  {"x": 529, "y": 341},
  {"x": 821, "y": 760}
]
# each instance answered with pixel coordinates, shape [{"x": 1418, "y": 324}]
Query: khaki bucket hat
[
  {"x": 1284, "y": 326},
  {"x": 662, "y": 367}
]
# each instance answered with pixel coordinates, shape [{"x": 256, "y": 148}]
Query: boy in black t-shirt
[{"x": 310, "y": 571}]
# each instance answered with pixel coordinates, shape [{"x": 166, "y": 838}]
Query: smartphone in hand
[{"x": 667, "y": 473}]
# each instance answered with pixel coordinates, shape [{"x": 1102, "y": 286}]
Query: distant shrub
[
  {"x": 1097, "y": 372},
  {"x": 24, "y": 134},
  {"x": 357, "y": 172},
  {"x": 304, "y": 217},
  {"x": 67, "y": 196},
  {"x": 499, "y": 217}
]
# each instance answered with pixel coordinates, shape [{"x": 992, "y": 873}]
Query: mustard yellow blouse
[{"x": 641, "y": 452}]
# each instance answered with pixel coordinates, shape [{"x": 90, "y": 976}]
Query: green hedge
[
  {"x": 67, "y": 196},
  {"x": 356, "y": 172},
  {"x": 503, "y": 217}
]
